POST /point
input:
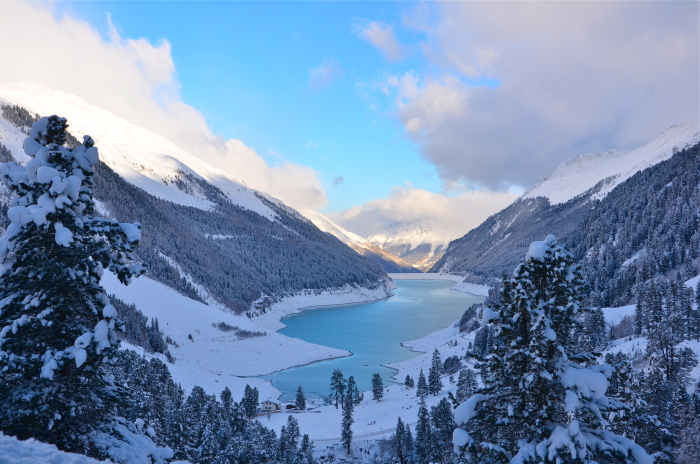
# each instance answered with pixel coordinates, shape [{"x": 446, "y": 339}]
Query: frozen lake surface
[{"x": 372, "y": 332}]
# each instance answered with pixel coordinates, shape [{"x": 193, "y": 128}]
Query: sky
[{"x": 396, "y": 110}]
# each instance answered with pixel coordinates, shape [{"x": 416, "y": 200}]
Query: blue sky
[{"x": 246, "y": 67}]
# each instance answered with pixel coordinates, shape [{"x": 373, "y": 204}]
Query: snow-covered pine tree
[
  {"x": 466, "y": 385},
  {"x": 540, "y": 401},
  {"x": 351, "y": 391},
  {"x": 400, "y": 441},
  {"x": 423, "y": 435},
  {"x": 434, "y": 374},
  {"x": 443, "y": 422},
  {"x": 346, "y": 426},
  {"x": 289, "y": 442},
  {"x": 409, "y": 381},
  {"x": 250, "y": 401},
  {"x": 300, "y": 399},
  {"x": 377, "y": 387},
  {"x": 422, "y": 389},
  {"x": 57, "y": 326},
  {"x": 337, "y": 387}
]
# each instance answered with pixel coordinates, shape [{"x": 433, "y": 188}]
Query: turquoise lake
[{"x": 372, "y": 332}]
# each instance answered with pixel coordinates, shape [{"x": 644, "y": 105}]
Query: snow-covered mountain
[
  {"x": 599, "y": 205},
  {"x": 580, "y": 174},
  {"x": 420, "y": 243},
  {"x": 388, "y": 261},
  {"x": 206, "y": 234}
]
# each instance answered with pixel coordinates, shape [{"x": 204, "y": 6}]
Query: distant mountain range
[{"x": 206, "y": 234}]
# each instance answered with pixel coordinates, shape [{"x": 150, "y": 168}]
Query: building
[{"x": 270, "y": 406}]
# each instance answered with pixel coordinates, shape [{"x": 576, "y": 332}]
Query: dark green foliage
[
  {"x": 466, "y": 385},
  {"x": 137, "y": 329},
  {"x": 451, "y": 365},
  {"x": 377, "y": 387},
  {"x": 346, "y": 430},
  {"x": 409, "y": 383},
  {"x": 351, "y": 391},
  {"x": 423, "y": 441},
  {"x": 19, "y": 117},
  {"x": 443, "y": 425},
  {"x": 337, "y": 387},
  {"x": 435, "y": 374},
  {"x": 249, "y": 403},
  {"x": 592, "y": 335},
  {"x": 422, "y": 389},
  {"x": 300, "y": 403}
]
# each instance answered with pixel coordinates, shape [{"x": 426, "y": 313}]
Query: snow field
[{"x": 14, "y": 451}]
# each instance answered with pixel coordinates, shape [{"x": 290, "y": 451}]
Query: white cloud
[
  {"x": 338, "y": 180},
  {"x": 135, "y": 80},
  {"x": 321, "y": 76},
  {"x": 381, "y": 36},
  {"x": 310, "y": 144},
  {"x": 570, "y": 77},
  {"x": 456, "y": 215}
]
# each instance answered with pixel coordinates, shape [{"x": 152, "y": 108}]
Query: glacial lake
[{"x": 372, "y": 332}]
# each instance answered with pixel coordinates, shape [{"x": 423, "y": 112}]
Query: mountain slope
[
  {"x": 205, "y": 233},
  {"x": 580, "y": 174},
  {"x": 388, "y": 261},
  {"x": 617, "y": 204}
]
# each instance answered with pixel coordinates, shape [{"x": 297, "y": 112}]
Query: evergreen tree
[
  {"x": 422, "y": 389},
  {"x": 353, "y": 392},
  {"x": 443, "y": 425},
  {"x": 423, "y": 435},
  {"x": 57, "y": 326},
  {"x": 346, "y": 431},
  {"x": 408, "y": 449},
  {"x": 306, "y": 450},
  {"x": 377, "y": 387},
  {"x": 409, "y": 381},
  {"x": 250, "y": 401},
  {"x": 337, "y": 387},
  {"x": 466, "y": 385},
  {"x": 300, "y": 399},
  {"x": 594, "y": 334},
  {"x": 400, "y": 442},
  {"x": 289, "y": 442},
  {"x": 539, "y": 401},
  {"x": 434, "y": 380}
]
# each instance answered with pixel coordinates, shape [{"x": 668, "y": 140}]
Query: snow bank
[
  {"x": 461, "y": 286},
  {"x": 14, "y": 451},
  {"x": 348, "y": 294}
]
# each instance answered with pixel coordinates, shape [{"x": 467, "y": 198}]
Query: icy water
[{"x": 372, "y": 332}]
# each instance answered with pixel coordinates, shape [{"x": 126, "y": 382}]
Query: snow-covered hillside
[
  {"x": 388, "y": 261},
  {"x": 141, "y": 157},
  {"x": 578, "y": 175}
]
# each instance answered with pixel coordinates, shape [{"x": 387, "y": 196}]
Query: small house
[{"x": 270, "y": 406}]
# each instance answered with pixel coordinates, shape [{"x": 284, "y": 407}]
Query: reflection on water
[{"x": 372, "y": 332}]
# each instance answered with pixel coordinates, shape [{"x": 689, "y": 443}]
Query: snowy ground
[
  {"x": 213, "y": 359},
  {"x": 13, "y": 451},
  {"x": 461, "y": 286}
]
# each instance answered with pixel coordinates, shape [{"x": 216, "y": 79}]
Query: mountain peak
[{"x": 581, "y": 173}]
